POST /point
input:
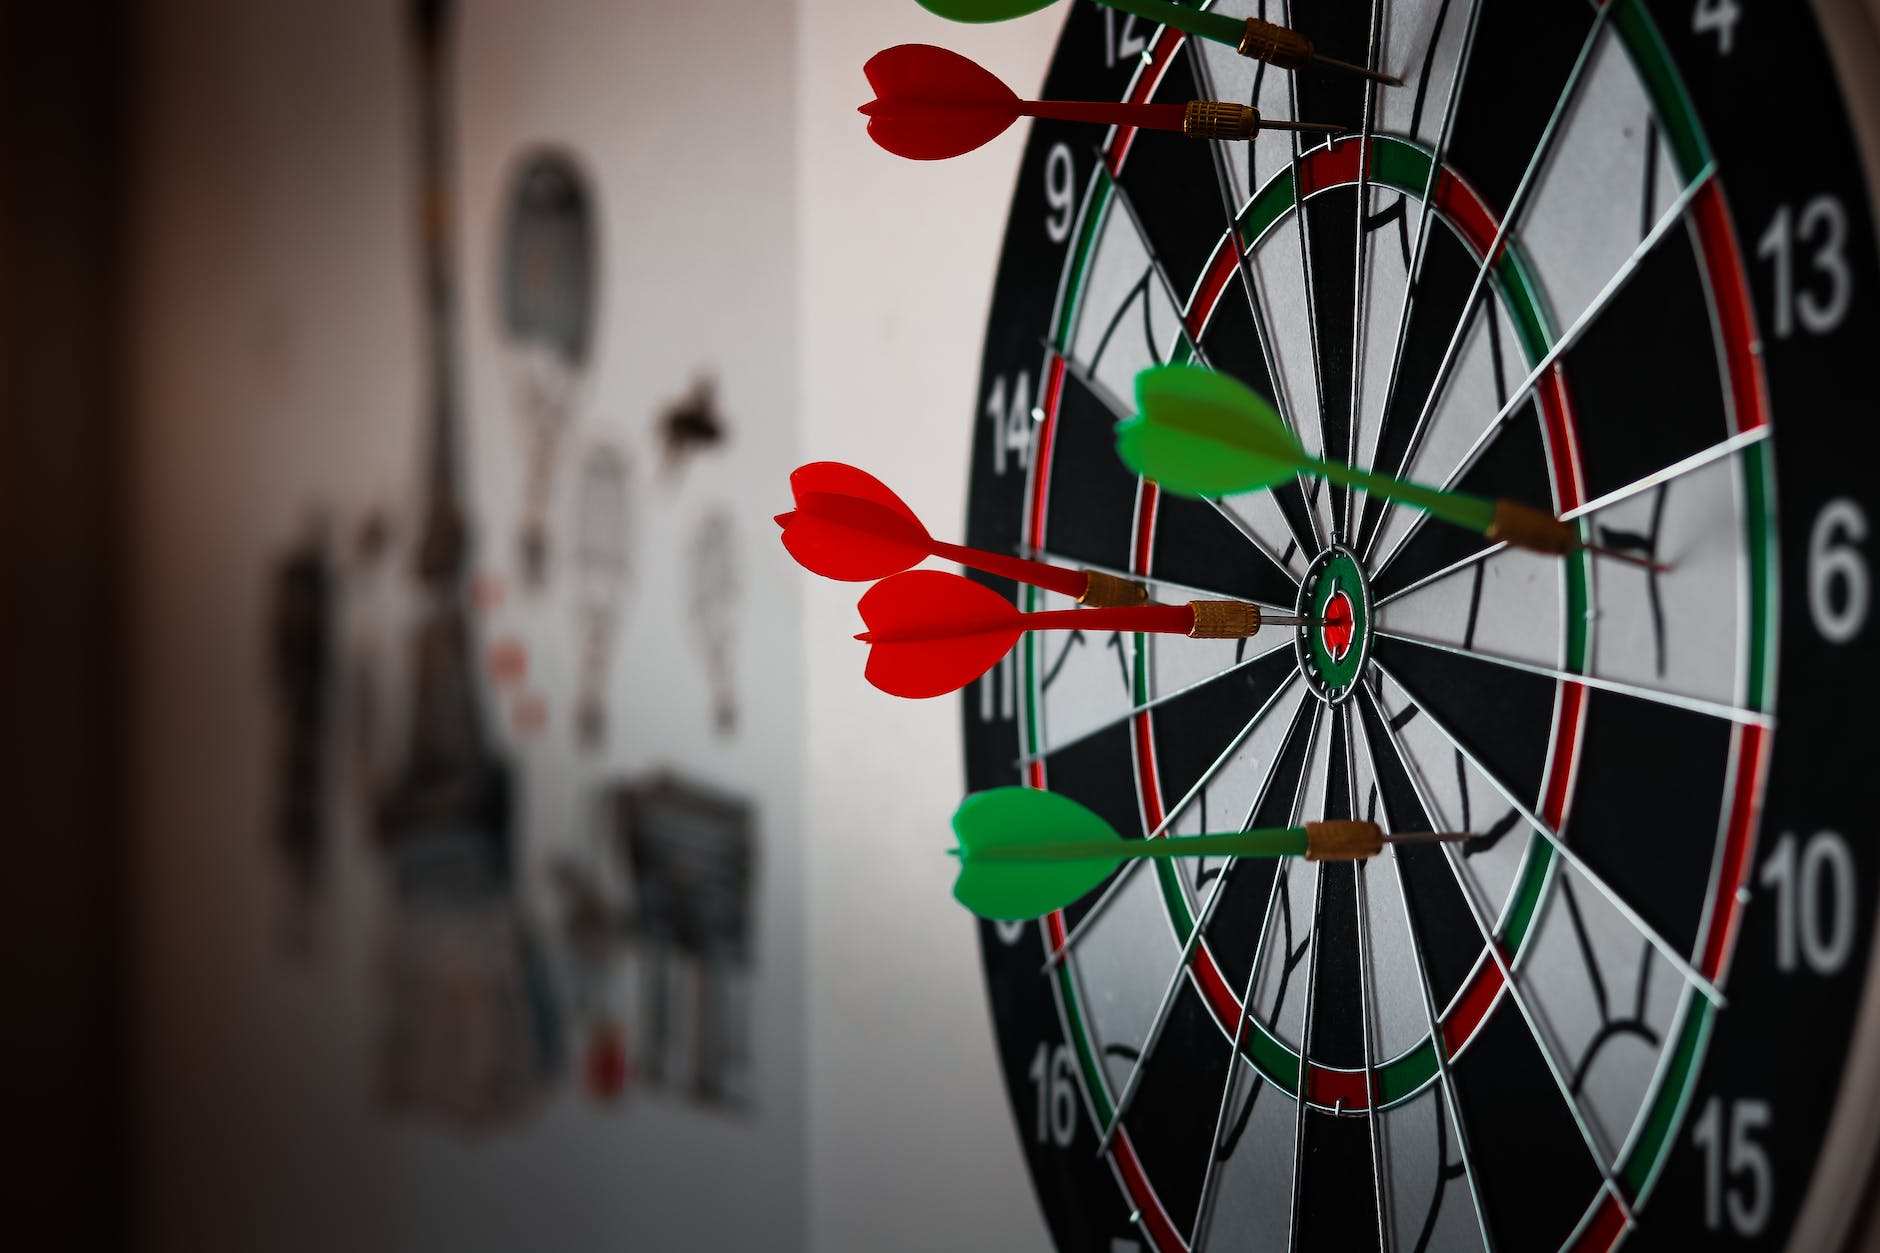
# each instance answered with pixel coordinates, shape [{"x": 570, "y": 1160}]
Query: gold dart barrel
[
  {"x": 1343, "y": 840},
  {"x": 1223, "y": 119},
  {"x": 1223, "y": 619},
  {"x": 1287, "y": 49},
  {"x": 1219, "y": 119},
  {"x": 1276, "y": 45},
  {"x": 1534, "y": 529},
  {"x": 1107, "y": 591}
]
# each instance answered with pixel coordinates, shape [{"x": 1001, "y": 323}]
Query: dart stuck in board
[
  {"x": 930, "y": 632},
  {"x": 1025, "y": 852},
  {"x": 1252, "y": 37},
  {"x": 931, "y": 104},
  {"x": 849, "y": 525},
  {"x": 1200, "y": 433}
]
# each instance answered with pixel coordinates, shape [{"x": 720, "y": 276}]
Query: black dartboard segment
[{"x": 1624, "y": 1009}]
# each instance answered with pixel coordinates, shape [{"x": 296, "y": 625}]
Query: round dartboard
[{"x": 1615, "y": 261}]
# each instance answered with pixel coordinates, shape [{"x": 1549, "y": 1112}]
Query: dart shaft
[
  {"x": 1458, "y": 508},
  {"x": 1198, "y": 119},
  {"x": 1161, "y": 117},
  {"x": 1071, "y": 583},
  {"x": 1149, "y": 619},
  {"x": 1198, "y": 619},
  {"x": 1276, "y": 842}
]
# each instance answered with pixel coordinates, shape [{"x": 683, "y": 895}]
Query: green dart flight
[
  {"x": 1024, "y": 853},
  {"x": 1252, "y": 37},
  {"x": 1200, "y": 433}
]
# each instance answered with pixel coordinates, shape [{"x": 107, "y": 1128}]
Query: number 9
[{"x": 1060, "y": 175}]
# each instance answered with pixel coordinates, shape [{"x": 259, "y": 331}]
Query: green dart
[
  {"x": 1258, "y": 40},
  {"x": 1200, "y": 433},
  {"x": 1024, "y": 853}
]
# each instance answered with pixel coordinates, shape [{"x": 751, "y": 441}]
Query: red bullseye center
[{"x": 1338, "y": 626}]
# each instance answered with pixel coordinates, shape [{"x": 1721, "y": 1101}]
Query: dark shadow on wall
[{"x": 64, "y": 1051}]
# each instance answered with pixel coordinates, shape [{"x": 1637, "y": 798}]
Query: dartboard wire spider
[
  {"x": 1273, "y": 645},
  {"x": 1310, "y": 288},
  {"x": 1437, "y": 1044},
  {"x": 1518, "y": 398},
  {"x": 1249, "y": 277},
  {"x": 1305, "y": 1049},
  {"x": 1204, "y": 1208},
  {"x": 1180, "y": 974},
  {"x": 1414, "y": 275},
  {"x": 1379, "y": 1183},
  {"x": 1200, "y": 356},
  {"x": 1361, "y": 286},
  {"x": 1511, "y": 215},
  {"x": 1665, "y": 948},
  {"x": 1122, "y": 876},
  {"x": 1118, "y": 411},
  {"x": 1657, "y": 696},
  {"x": 1602, "y": 1155},
  {"x": 1657, "y": 478}
]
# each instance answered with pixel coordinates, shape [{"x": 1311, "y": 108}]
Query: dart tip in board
[
  {"x": 1630, "y": 559},
  {"x": 1432, "y": 837},
  {"x": 1376, "y": 76}
]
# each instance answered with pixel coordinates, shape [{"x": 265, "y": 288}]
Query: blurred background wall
[{"x": 254, "y": 407}]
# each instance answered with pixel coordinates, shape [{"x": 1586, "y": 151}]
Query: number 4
[
  {"x": 1718, "y": 17},
  {"x": 1011, "y": 419}
]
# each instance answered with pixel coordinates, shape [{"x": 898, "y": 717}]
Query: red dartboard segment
[
  {"x": 1215, "y": 277},
  {"x": 1603, "y": 1230},
  {"x": 1148, "y": 78},
  {"x": 1749, "y": 393},
  {"x": 1124, "y": 1162},
  {"x": 1041, "y": 459},
  {"x": 1463, "y": 208},
  {"x": 1749, "y": 410}
]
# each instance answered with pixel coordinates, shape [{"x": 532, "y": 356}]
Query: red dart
[
  {"x": 847, "y": 525},
  {"x": 930, "y": 632},
  {"x": 931, "y": 104}
]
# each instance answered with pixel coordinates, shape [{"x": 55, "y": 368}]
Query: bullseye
[
  {"x": 1338, "y": 626},
  {"x": 1332, "y": 655}
]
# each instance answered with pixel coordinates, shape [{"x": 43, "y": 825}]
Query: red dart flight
[
  {"x": 931, "y": 104},
  {"x": 930, "y": 632},
  {"x": 848, "y": 525}
]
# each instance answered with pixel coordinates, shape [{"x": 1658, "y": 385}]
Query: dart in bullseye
[
  {"x": 1024, "y": 853},
  {"x": 849, "y": 525},
  {"x": 930, "y": 632},
  {"x": 931, "y": 104},
  {"x": 1258, "y": 40},
  {"x": 1200, "y": 433}
]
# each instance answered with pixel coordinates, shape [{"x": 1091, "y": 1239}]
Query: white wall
[
  {"x": 911, "y": 1142},
  {"x": 277, "y": 337}
]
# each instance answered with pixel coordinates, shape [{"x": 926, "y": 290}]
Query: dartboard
[{"x": 1611, "y": 260}]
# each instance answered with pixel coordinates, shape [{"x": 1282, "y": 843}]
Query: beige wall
[
  {"x": 911, "y": 1142},
  {"x": 277, "y": 340}
]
